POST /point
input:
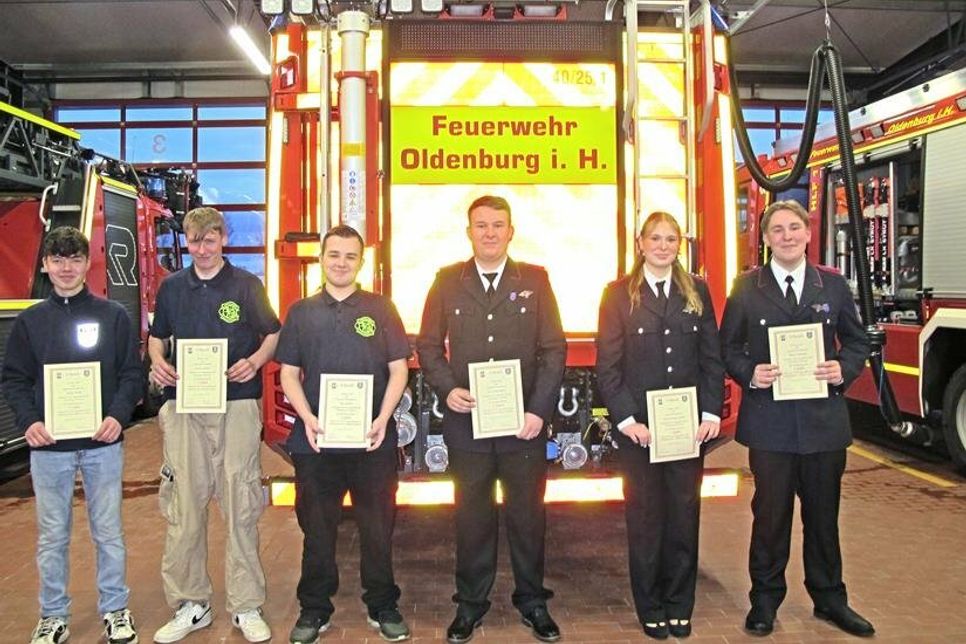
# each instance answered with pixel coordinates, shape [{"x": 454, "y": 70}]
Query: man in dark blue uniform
[
  {"x": 74, "y": 326},
  {"x": 344, "y": 330},
  {"x": 795, "y": 446},
  {"x": 493, "y": 308}
]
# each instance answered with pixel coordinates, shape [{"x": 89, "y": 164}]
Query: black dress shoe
[
  {"x": 682, "y": 629},
  {"x": 846, "y": 619},
  {"x": 461, "y": 630},
  {"x": 658, "y": 631},
  {"x": 542, "y": 625},
  {"x": 760, "y": 621}
]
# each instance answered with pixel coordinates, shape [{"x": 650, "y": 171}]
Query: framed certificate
[
  {"x": 72, "y": 399},
  {"x": 345, "y": 410},
  {"x": 202, "y": 384},
  {"x": 797, "y": 350},
  {"x": 498, "y": 389},
  {"x": 672, "y": 416}
]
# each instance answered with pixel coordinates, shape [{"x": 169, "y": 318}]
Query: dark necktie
[
  {"x": 790, "y": 292},
  {"x": 490, "y": 278},
  {"x": 661, "y": 295}
]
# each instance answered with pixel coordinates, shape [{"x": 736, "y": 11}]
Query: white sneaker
[
  {"x": 50, "y": 630},
  {"x": 190, "y": 616},
  {"x": 119, "y": 627},
  {"x": 252, "y": 625}
]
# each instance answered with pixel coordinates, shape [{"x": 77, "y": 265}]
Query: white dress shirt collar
[
  {"x": 797, "y": 273},
  {"x": 652, "y": 281},
  {"x": 496, "y": 280}
]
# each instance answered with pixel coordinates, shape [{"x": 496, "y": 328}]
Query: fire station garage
[{"x": 835, "y": 404}]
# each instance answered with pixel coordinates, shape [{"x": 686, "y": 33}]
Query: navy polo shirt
[
  {"x": 232, "y": 304},
  {"x": 361, "y": 334}
]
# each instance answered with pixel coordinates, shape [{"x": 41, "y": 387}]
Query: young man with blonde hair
[
  {"x": 795, "y": 447},
  {"x": 212, "y": 454}
]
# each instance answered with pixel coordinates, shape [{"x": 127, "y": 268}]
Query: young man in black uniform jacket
[
  {"x": 492, "y": 308},
  {"x": 74, "y": 326},
  {"x": 795, "y": 446}
]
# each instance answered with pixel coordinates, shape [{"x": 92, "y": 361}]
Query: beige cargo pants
[{"x": 207, "y": 454}]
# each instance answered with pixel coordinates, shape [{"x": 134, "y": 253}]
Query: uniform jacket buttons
[
  {"x": 670, "y": 369},
  {"x": 667, "y": 331},
  {"x": 489, "y": 316},
  {"x": 490, "y": 339},
  {"x": 523, "y": 309},
  {"x": 456, "y": 312},
  {"x": 762, "y": 322},
  {"x": 668, "y": 350},
  {"x": 640, "y": 330}
]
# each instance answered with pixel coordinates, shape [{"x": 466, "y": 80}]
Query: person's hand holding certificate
[
  {"x": 345, "y": 410},
  {"x": 498, "y": 389},
  {"x": 797, "y": 350},
  {"x": 72, "y": 399},
  {"x": 672, "y": 417},
  {"x": 202, "y": 385}
]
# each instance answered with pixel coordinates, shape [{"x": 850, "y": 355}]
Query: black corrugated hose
[{"x": 827, "y": 63}]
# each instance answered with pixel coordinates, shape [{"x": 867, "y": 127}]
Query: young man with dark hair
[
  {"x": 213, "y": 454},
  {"x": 343, "y": 329},
  {"x": 74, "y": 326},
  {"x": 493, "y": 308}
]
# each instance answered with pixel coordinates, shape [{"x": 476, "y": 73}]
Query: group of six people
[{"x": 657, "y": 329}]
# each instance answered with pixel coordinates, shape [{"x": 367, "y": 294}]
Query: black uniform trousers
[
  {"x": 523, "y": 477},
  {"x": 816, "y": 478},
  {"x": 321, "y": 481},
  {"x": 662, "y": 507}
]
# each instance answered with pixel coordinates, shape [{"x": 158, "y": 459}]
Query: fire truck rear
[
  {"x": 909, "y": 150},
  {"x": 586, "y": 117},
  {"x": 48, "y": 180}
]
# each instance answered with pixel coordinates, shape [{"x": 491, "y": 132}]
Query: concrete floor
[{"x": 902, "y": 536}]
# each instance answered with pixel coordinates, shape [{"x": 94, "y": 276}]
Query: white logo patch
[{"x": 87, "y": 334}]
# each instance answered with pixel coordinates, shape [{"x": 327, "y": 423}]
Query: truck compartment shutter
[
  {"x": 120, "y": 235},
  {"x": 943, "y": 213}
]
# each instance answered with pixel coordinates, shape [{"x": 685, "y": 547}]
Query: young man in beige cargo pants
[{"x": 212, "y": 454}]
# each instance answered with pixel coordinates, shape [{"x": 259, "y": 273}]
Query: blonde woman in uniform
[{"x": 657, "y": 330}]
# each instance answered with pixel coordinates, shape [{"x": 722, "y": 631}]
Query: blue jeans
[{"x": 53, "y": 475}]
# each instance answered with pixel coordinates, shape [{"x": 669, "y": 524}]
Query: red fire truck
[
  {"x": 48, "y": 180},
  {"x": 584, "y": 118},
  {"x": 909, "y": 153}
]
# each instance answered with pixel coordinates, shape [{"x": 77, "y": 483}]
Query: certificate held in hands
[
  {"x": 345, "y": 410},
  {"x": 498, "y": 389},
  {"x": 72, "y": 399},
  {"x": 797, "y": 350},
  {"x": 672, "y": 418},
  {"x": 202, "y": 385}
]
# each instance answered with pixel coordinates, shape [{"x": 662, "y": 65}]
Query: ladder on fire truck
[
  {"x": 34, "y": 152},
  {"x": 668, "y": 62}
]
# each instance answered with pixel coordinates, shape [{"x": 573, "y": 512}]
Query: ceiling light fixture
[{"x": 247, "y": 45}]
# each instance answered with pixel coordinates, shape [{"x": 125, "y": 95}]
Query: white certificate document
[
  {"x": 797, "y": 350},
  {"x": 202, "y": 384},
  {"x": 72, "y": 399},
  {"x": 345, "y": 410},
  {"x": 672, "y": 418},
  {"x": 498, "y": 389}
]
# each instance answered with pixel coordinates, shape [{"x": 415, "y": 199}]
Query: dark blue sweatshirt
[{"x": 82, "y": 328}]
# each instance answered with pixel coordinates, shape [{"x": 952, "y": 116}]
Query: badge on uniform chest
[{"x": 87, "y": 334}]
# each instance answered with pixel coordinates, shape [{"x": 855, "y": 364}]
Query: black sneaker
[
  {"x": 308, "y": 628},
  {"x": 391, "y": 625}
]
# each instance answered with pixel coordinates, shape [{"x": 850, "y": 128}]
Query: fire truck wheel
[{"x": 954, "y": 417}]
